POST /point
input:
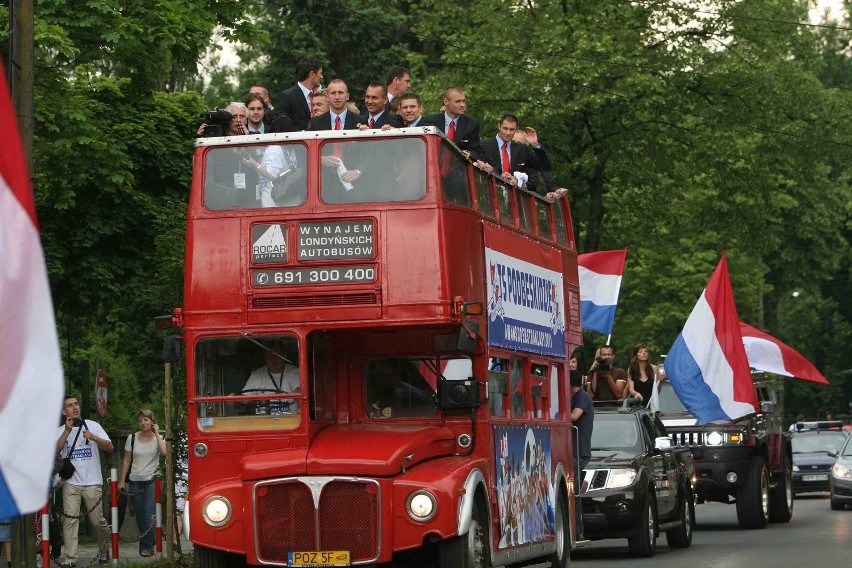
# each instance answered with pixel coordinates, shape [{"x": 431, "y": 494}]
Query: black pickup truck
[{"x": 636, "y": 484}]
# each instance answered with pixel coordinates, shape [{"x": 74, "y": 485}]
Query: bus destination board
[
  {"x": 324, "y": 275},
  {"x": 336, "y": 240}
]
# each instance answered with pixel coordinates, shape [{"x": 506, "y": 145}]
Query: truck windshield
[
  {"x": 615, "y": 432},
  {"x": 405, "y": 387}
]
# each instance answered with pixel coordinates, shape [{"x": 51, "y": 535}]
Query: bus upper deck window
[
  {"x": 483, "y": 191},
  {"x": 232, "y": 180},
  {"x": 543, "y": 222},
  {"x": 559, "y": 221},
  {"x": 372, "y": 171},
  {"x": 454, "y": 181},
  {"x": 524, "y": 213},
  {"x": 504, "y": 196}
]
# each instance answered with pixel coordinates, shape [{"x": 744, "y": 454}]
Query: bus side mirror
[
  {"x": 466, "y": 341},
  {"x": 458, "y": 395},
  {"x": 172, "y": 349}
]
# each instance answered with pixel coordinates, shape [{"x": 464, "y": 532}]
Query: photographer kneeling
[{"x": 605, "y": 381}]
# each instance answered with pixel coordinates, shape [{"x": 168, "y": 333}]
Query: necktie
[
  {"x": 506, "y": 163},
  {"x": 372, "y": 122},
  {"x": 451, "y": 131},
  {"x": 336, "y": 147}
]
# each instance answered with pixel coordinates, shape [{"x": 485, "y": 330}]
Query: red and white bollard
[
  {"x": 45, "y": 535},
  {"x": 113, "y": 486},
  {"x": 158, "y": 493}
]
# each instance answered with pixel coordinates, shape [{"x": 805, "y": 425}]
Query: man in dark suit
[
  {"x": 295, "y": 102},
  {"x": 411, "y": 109},
  {"x": 398, "y": 82},
  {"x": 502, "y": 157},
  {"x": 337, "y": 117},
  {"x": 459, "y": 127},
  {"x": 376, "y": 99}
]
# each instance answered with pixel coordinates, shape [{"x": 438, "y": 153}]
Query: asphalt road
[{"x": 815, "y": 537}]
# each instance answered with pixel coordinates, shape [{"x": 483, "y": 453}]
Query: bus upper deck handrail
[{"x": 263, "y": 139}]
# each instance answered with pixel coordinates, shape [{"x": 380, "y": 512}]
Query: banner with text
[{"x": 526, "y": 302}]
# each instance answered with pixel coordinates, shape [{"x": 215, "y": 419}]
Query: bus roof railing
[{"x": 318, "y": 135}]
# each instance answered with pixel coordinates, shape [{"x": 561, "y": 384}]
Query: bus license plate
[
  {"x": 318, "y": 558},
  {"x": 325, "y": 275},
  {"x": 815, "y": 477}
]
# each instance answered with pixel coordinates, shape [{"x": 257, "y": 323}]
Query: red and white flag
[
  {"x": 31, "y": 379},
  {"x": 766, "y": 353}
]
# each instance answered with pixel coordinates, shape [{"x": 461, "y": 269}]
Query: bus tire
[
  {"x": 753, "y": 497},
  {"x": 211, "y": 558},
  {"x": 470, "y": 550},
  {"x": 561, "y": 557},
  {"x": 781, "y": 496}
]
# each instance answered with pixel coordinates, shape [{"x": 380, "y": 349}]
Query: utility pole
[{"x": 21, "y": 79}]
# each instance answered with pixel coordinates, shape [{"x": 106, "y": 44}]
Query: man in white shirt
[
  {"x": 277, "y": 376},
  {"x": 87, "y": 482}
]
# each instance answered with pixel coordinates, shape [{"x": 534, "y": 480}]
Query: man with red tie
[
  {"x": 296, "y": 101},
  {"x": 375, "y": 100},
  {"x": 459, "y": 127},
  {"x": 503, "y": 157}
]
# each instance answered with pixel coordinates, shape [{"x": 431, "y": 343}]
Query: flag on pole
[
  {"x": 600, "y": 282},
  {"x": 707, "y": 365},
  {"x": 30, "y": 367},
  {"x": 769, "y": 354}
]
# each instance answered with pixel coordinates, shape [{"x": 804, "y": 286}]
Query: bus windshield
[
  {"x": 404, "y": 387},
  {"x": 368, "y": 171}
]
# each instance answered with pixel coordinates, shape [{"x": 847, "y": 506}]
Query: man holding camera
[
  {"x": 605, "y": 381},
  {"x": 86, "y": 482}
]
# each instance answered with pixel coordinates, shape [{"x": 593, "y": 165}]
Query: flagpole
[{"x": 608, "y": 337}]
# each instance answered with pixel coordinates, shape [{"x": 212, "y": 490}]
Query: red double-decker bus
[{"x": 377, "y": 336}]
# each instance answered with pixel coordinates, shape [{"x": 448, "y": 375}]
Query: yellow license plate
[{"x": 318, "y": 558}]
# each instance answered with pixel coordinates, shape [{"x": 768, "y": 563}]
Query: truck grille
[
  {"x": 317, "y": 514},
  {"x": 687, "y": 439}
]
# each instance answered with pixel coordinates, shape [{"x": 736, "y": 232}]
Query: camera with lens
[
  {"x": 603, "y": 364},
  {"x": 216, "y": 121},
  {"x": 77, "y": 422}
]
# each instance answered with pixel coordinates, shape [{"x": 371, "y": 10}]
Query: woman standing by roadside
[
  {"x": 142, "y": 453},
  {"x": 641, "y": 374}
]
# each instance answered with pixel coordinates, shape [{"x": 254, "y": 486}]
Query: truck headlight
[
  {"x": 714, "y": 439},
  {"x": 620, "y": 478},
  {"x": 421, "y": 506},
  {"x": 840, "y": 470},
  {"x": 216, "y": 510}
]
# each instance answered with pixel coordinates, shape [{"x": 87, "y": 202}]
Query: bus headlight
[
  {"x": 421, "y": 506},
  {"x": 216, "y": 511},
  {"x": 620, "y": 478},
  {"x": 714, "y": 439}
]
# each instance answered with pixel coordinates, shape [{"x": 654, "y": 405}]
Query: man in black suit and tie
[
  {"x": 502, "y": 156},
  {"x": 376, "y": 99},
  {"x": 459, "y": 127},
  {"x": 296, "y": 101},
  {"x": 411, "y": 109}
]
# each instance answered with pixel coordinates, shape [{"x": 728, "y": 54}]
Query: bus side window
[
  {"x": 454, "y": 182},
  {"x": 561, "y": 225},
  {"x": 543, "y": 220},
  {"x": 517, "y": 388},
  {"x": 498, "y": 387},
  {"x": 524, "y": 210},
  {"x": 555, "y": 393},
  {"x": 539, "y": 390},
  {"x": 504, "y": 194},
  {"x": 482, "y": 181}
]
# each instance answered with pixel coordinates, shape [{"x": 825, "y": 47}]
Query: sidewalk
[{"x": 128, "y": 549}]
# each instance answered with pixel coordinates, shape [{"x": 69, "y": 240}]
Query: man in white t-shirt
[
  {"x": 277, "y": 376},
  {"x": 87, "y": 482}
]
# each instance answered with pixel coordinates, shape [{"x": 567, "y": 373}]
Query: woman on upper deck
[{"x": 641, "y": 374}]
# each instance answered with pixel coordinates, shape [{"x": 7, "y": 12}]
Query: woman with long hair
[{"x": 641, "y": 374}]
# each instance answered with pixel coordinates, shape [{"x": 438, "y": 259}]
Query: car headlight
[
  {"x": 714, "y": 439},
  {"x": 216, "y": 511},
  {"x": 840, "y": 470},
  {"x": 620, "y": 478},
  {"x": 421, "y": 506}
]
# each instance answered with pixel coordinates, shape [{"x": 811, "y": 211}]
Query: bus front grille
[
  {"x": 315, "y": 513},
  {"x": 314, "y": 301}
]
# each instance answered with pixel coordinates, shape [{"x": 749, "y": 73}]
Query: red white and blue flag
[
  {"x": 771, "y": 355},
  {"x": 707, "y": 364},
  {"x": 30, "y": 365},
  {"x": 600, "y": 281}
]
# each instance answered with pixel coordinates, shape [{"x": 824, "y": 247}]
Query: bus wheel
[
  {"x": 561, "y": 534},
  {"x": 210, "y": 558},
  {"x": 470, "y": 550}
]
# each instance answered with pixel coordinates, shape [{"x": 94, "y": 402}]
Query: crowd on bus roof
[{"x": 513, "y": 154}]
